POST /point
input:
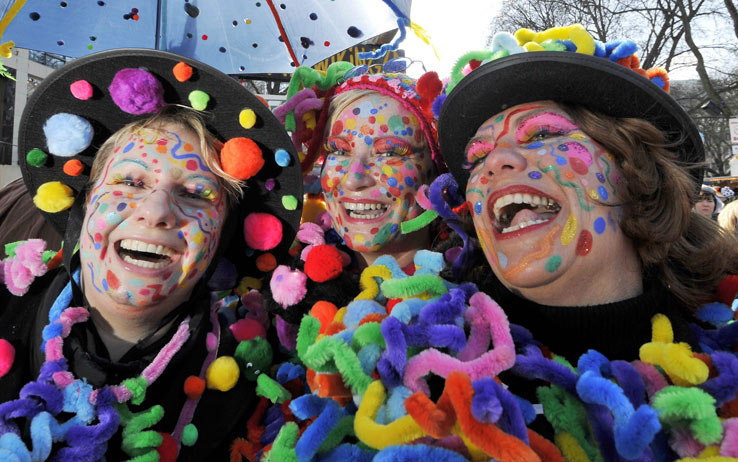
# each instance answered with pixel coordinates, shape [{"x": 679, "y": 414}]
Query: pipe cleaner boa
[
  {"x": 359, "y": 390},
  {"x": 63, "y": 418}
]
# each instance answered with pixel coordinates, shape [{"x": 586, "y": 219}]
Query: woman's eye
[
  {"x": 333, "y": 150},
  {"x": 128, "y": 182},
  {"x": 543, "y": 134}
]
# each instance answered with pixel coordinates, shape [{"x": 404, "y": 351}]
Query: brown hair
[
  {"x": 181, "y": 116},
  {"x": 689, "y": 253}
]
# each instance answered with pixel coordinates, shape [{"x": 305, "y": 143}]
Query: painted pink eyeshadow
[{"x": 545, "y": 119}]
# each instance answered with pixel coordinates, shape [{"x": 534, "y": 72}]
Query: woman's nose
[
  {"x": 358, "y": 176},
  {"x": 504, "y": 159},
  {"x": 156, "y": 210}
]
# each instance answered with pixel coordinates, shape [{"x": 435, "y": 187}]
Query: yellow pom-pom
[
  {"x": 247, "y": 118},
  {"x": 6, "y": 49},
  {"x": 248, "y": 283},
  {"x": 223, "y": 373},
  {"x": 53, "y": 197}
]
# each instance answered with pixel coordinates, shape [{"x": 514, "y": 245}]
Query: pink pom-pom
[
  {"x": 136, "y": 91},
  {"x": 288, "y": 286},
  {"x": 262, "y": 231},
  {"x": 17, "y": 277},
  {"x": 7, "y": 356},
  {"x": 81, "y": 89},
  {"x": 211, "y": 341},
  {"x": 246, "y": 329},
  {"x": 311, "y": 233}
]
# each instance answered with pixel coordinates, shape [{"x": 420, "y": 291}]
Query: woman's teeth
[
  {"x": 365, "y": 210},
  {"x": 145, "y": 255},
  {"x": 518, "y": 198},
  {"x": 522, "y": 225}
]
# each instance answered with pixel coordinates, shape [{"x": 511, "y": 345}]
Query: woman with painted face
[
  {"x": 373, "y": 141},
  {"x": 119, "y": 353}
]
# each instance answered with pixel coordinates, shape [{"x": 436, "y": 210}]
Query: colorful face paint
[
  {"x": 152, "y": 223},
  {"x": 376, "y": 159},
  {"x": 542, "y": 193}
]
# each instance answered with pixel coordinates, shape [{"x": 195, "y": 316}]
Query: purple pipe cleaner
[{"x": 445, "y": 186}]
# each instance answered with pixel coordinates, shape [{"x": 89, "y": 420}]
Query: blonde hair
[
  {"x": 690, "y": 253},
  {"x": 728, "y": 217},
  {"x": 186, "y": 118}
]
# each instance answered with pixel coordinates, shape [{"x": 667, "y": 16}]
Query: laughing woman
[
  {"x": 119, "y": 354},
  {"x": 374, "y": 140}
]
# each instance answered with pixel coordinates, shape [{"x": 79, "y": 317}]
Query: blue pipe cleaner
[
  {"x": 531, "y": 364},
  {"x": 402, "y": 21},
  {"x": 346, "y": 452},
  {"x": 716, "y": 313},
  {"x": 89, "y": 443},
  {"x": 288, "y": 371},
  {"x": 445, "y": 309},
  {"x": 368, "y": 357},
  {"x": 407, "y": 309},
  {"x": 329, "y": 414},
  {"x": 630, "y": 381},
  {"x": 417, "y": 452},
  {"x": 619, "y": 49},
  {"x": 510, "y": 418},
  {"x": 442, "y": 187},
  {"x": 273, "y": 422},
  {"x": 391, "y": 264},
  {"x": 633, "y": 429},
  {"x": 724, "y": 387}
]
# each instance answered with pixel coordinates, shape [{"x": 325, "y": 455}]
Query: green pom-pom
[
  {"x": 199, "y": 99},
  {"x": 271, "y": 389},
  {"x": 289, "y": 202},
  {"x": 253, "y": 357},
  {"x": 189, "y": 435},
  {"x": 36, "y": 157}
]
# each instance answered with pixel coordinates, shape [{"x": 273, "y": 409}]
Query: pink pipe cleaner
[
  {"x": 54, "y": 348},
  {"x": 489, "y": 364},
  {"x": 188, "y": 410},
  {"x": 653, "y": 380},
  {"x": 157, "y": 366},
  {"x": 70, "y": 317}
]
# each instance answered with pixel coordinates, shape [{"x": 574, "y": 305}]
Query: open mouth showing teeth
[
  {"x": 365, "y": 210},
  {"x": 517, "y": 211},
  {"x": 143, "y": 254}
]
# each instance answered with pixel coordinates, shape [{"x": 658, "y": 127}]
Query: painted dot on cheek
[
  {"x": 535, "y": 175},
  {"x": 553, "y": 263},
  {"x": 570, "y": 230},
  {"x": 603, "y": 192},
  {"x": 502, "y": 259},
  {"x": 584, "y": 244},
  {"x": 599, "y": 225},
  {"x": 113, "y": 218},
  {"x": 478, "y": 207},
  {"x": 122, "y": 206},
  {"x": 191, "y": 165},
  {"x": 98, "y": 237},
  {"x": 600, "y": 178}
]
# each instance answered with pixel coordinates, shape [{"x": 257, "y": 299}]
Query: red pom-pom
[
  {"x": 429, "y": 86},
  {"x": 266, "y": 262},
  {"x": 241, "y": 158},
  {"x": 323, "y": 263},
  {"x": 474, "y": 63},
  {"x": 167, "y": 449},
  {"x": 262, "y": 231},
  {"x": 727, "y": 290},
  {"x": 7, "y": 356},
  {"x": 246, "y": 329},
  {"x": 194, "y": 387}
]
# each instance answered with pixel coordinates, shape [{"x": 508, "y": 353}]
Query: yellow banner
[{"x": 352, "y": 55}]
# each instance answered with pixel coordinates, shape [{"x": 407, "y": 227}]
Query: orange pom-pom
[
  {"x": 182, "y": 71},
  {"x": 73, "y": 167},
  {"x": 241, "y": 158},
  {"x": 660, "y": 77},
  {"x": 324, "y": 312},
  {"x": 266, "y": 262},
  {"x": 194, "y": 387},
  {"x": 323, "y": 263}
]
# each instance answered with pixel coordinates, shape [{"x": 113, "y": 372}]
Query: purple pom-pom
[{"x": 136, "y": 91}]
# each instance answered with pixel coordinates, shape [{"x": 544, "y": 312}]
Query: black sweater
[{"x": 220, "y": 416}]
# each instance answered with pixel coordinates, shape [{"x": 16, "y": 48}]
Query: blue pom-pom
[
  {"x": 658, "y": 80},
  {"x": 67, "y": 134},
  {"x": 437, "y": 104},
  {"x": 282, "y": 157},
  {"x": 599, "y": 49},
  {"x": 570, "y": 46},
  {"x": 716, "y": 313}
]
